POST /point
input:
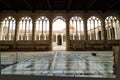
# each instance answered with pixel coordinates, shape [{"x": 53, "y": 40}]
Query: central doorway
[
  {"x": 59, "y": 40},
  {"x": 59, "y": 33}
]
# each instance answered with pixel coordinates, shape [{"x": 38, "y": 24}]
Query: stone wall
[
  {"x": 42, "y": 45},
  {"x": 74, "y": 45},
  {"x": 93, "y": 45}
]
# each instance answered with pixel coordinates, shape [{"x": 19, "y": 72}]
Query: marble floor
[{"x": 59, "y": 63}]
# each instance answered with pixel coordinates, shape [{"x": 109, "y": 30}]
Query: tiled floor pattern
[{"x": 59, "y": 63}]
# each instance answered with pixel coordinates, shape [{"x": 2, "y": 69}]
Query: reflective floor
[{"x": 59, "y": 63}]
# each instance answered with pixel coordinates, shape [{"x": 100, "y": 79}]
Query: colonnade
[{"x": 103, "y": 28}]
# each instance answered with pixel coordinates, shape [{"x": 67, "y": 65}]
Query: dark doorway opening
[
  {"x": 99, "y": 35},
  {"x": 59, "y": 42}
]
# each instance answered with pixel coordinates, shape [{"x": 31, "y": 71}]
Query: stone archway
[{"x": 58, "y": 30}]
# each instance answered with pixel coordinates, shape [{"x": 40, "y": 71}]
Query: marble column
[
  {"x": 85, "y": 29},
  {"x": 50, "y": 34},
  {"x": 42, "y": 35},
  {"x": 67, "y": 35},
  {"x": 73, "y": 36},
  {"x": 76, "y": 35},
  {"x": 62, "y": 38},
  {"x": 33, "y": 30},
  {"x": 116, "y": 30},
  {"x": 1, "y": 30},
  {"x": 80, "y": 27},
  {"x": 25, "y": 29},
  {"x": 16, "y": 36},
  {"x": 104, "y": 33},
  {"x": 94, "y": 29},
  {"x": 56, "y": 39},
  {"x": 90, "y": 31},
  {"x": 119, "y": 29},
  {"x": 112, "y": 31}
]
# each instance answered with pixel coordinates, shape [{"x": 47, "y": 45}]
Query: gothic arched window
[
  {"x": 42, "y": 28},
  {"x": 25, "y": 30},
  {"x": 76, "y": 28},
  {"x": 8, "y": 28},
  {"x": 112, "y": 25},
  {"x": 94, "y": 28}
]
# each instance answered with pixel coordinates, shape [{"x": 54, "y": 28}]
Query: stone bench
[
  {"x": 25, "y": 47},
  {"x": 24, "y": 43},
  {"x": 41, "y": 47},
  {"x": 6, "y": 43},
  {"x": 4, "y": 47},
  {"x": 98, "y": 47},
  {"x": 78, "y": 46}
]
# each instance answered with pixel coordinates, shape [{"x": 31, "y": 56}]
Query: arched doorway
[
  {"x": 59, "y": 33},
  {"x": 59, "y": 40}
]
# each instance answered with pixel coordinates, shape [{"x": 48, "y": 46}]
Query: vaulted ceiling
[{"x": 67, "y": 5}]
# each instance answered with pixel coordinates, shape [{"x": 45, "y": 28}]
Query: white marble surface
[{"x": 59, "y": 63}]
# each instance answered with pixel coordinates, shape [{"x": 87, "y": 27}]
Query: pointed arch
[
  {"x": 42, "y": 28},
  {"x": 8, "y": 28},
  {"x": 25, "y": 29},
  {"x": 94, "y": 27},
  {"x": 76, "y": 28},
  {"x": 112, "y": 25}
]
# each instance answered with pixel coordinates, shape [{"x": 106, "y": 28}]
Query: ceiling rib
[
  {"x": 114, "y": 4},
  {"x": 69, "y": 4},
  {"x": 27, "y": 4},
  {"x": 49, "y": 5},
  {"x": 91, "y": 4},
  {"x": 8, "y": 6}
]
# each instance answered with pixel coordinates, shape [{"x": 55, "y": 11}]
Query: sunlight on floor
[{"x": 57, "y": 48}]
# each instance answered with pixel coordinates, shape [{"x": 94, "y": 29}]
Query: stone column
[
  {"x": 27, "y": 36},
  {"x": 67, "y": 35},
  {"x": 76, "y": 34},
  {"x": 73, "y": 36},
  {"x": 50, "y": 34},
  {"x": 79, "y": 37},
  {"x": 90, "y": 31},
  {"x": 110, "y": 33},
  {"x": 94, "y": 30},
  {"x": 119, "y": 30},
  {"x": 1, "y": 30},
  {"x": 116, "y": 30},
  {"x": 42, "y": 35},
  {"x": 25, "y": 29},
  {"x": 33, "y": 30},
  {"x": 80, "y": 27},
  {"x": 56, "y": 38},
  {"x": 104, "y": 35},
  {"x": 62, "y": 38},
  {"x": 16, "y": 37},
  {"x": 85, "y": 29}
]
